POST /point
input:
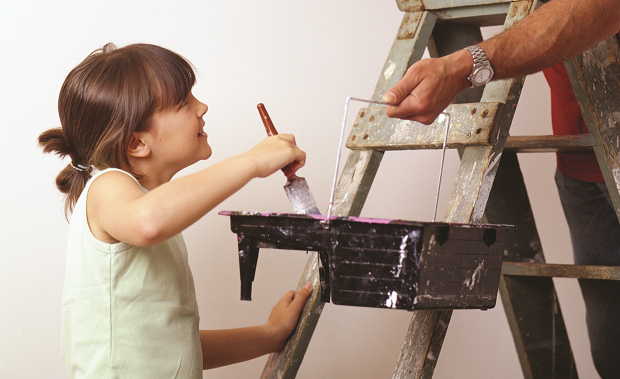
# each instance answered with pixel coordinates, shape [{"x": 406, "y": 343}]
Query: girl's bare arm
[
  {"x": 118, "y": 210},
  {"x": 225, "y": 347}
]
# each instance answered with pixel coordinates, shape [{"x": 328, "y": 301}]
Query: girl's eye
[{"x": 183, "y": 103}]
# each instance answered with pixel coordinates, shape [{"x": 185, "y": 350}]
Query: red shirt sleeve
[{"x": 566, "y": 119}]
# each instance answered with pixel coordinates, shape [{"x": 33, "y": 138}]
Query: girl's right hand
[{"x": 275, "y": 153}]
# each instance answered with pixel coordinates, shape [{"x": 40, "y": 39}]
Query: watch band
[
  {"x": 480, "y": 61},
  {"x": 480, "y": 58}
]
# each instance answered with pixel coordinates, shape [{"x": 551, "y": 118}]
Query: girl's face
[{"x": 178, "y": 139}]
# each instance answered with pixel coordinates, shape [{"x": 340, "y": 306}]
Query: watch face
[{"x": 482, "y": 75}]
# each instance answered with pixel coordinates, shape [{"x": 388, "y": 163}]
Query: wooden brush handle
[{"x": 271, "y": 130}]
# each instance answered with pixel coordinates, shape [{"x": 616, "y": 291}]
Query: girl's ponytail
[{"x": 72, "y": 179}]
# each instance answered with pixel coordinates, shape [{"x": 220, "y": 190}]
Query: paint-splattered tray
[{"x": 382, "y": 263}]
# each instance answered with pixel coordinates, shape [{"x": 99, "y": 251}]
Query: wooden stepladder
[{"x": 480, "y": 123}]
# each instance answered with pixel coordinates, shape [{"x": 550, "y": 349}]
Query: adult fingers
[
  {"x": 421, "y": 106},
  {"x": 403, "y": 88}
]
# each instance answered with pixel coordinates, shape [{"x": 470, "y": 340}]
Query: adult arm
[{"x": 553, "y": 33}]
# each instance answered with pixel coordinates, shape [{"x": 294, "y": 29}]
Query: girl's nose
[{"x": 202, "y": 109}]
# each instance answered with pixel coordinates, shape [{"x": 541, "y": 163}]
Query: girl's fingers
[{"x": 298, "y": 302}]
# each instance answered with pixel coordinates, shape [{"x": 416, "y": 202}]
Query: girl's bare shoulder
[{"x": 108, "y": 198}]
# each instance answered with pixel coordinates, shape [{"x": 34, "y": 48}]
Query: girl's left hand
[{"x": 285, "y": 314}]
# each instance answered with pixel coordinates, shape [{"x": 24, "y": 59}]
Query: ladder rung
[
  {"x": 561, "y": 270},
  {"x": 470, "y": 125},
  {"x": 542, "y": 144},
  {"x": 419, "y": 5}
]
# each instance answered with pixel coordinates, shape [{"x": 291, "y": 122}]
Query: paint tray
[{"x": 382, "y": 263}]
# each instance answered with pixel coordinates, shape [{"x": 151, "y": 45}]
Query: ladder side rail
[
  {"x": 285, "y": 363},
  {"x": 594, "y": 77},
  {"x": 479, "y": 163},
  {"x": 427, "y": 329}
]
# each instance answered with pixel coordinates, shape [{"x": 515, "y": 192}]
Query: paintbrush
[{"x": 296, "y": 188}]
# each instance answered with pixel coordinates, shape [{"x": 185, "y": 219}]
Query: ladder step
[
  {"x": 561, "y": 270},
  {"x": 470, "y": 125},
  {"x": 549, "y": 144}
]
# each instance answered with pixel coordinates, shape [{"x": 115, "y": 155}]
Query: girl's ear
[{"x": 138, "y": 145}]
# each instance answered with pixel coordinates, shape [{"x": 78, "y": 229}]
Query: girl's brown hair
[{"x": 104, "y": 100}]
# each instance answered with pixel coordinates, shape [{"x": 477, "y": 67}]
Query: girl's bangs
[{"x": 173, "y": 79}]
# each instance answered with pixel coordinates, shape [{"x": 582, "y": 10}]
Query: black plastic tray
[{"x": 382, "y": 263}]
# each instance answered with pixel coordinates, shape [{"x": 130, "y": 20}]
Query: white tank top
[{"x": 128, "y": 311}]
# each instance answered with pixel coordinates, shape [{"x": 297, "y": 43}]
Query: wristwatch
[{"x": 481, "y": 72}]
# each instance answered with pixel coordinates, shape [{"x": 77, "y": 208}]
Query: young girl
[{"x": 129, "y": 124}]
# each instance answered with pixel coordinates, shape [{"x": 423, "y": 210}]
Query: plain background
[{"x": 302, "y": 59}]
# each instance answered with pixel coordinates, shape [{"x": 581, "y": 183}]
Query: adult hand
[{"x": 428, "y": 87}]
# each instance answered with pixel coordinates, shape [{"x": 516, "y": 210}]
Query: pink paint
[
  {"x": 321, "y": 217},
  {"x": 265, "y": 214},
  {"x": 356, "y": 219},
  {"x": 371, "y": 220}
]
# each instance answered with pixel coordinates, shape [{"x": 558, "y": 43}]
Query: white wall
[{"x": 302, "y": 59}]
